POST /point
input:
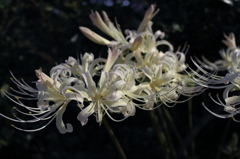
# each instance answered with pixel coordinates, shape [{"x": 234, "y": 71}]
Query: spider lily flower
[
  {"x": 55, "y": 89},
  {"x": 107, "y": 98},
  {"x": 226, "y": 61},
  {"x": 210, "y": 80},
  {"x": 129, "y": 75},
  {"x": 227, "y": 56},
  {"x": 160, "y": 77},
  {"x": 230, "y": 62}
]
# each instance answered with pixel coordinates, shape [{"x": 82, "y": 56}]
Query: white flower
[
  {"x": 107, "y": 98},
  {"x": 57, "y": 89},
  {"x": 228, "y": 56}
]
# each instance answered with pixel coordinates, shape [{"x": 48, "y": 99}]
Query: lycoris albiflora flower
[
  {"x": 108, "y": 97},
  {"x": 228, "y": 62},
  {"x": 230, "y": 82},
  {"x": 58, "y": 90},
  {"x": 228, "y": 55}
]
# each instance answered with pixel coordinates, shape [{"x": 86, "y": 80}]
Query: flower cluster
[
  {"x": 230, "y": 82},
  {"x": 136, "y": 74}
]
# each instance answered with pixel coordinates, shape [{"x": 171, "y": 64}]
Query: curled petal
[
  {"x": 59, "y": 122},
  {"x": 129, "y": 110},
  {"x": 85, "y": 113}
]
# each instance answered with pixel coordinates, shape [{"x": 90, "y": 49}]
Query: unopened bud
[
  {"x": 93, "y": 36},
  {"x": 147, "y": 17},
  {"x": 137, "y": 42}
]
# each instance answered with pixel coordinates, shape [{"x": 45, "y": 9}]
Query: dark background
[{"x": 39, "y": 33}]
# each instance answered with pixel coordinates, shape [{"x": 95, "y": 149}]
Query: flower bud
[
  {"x": 93, "y": 36},
  {"x": 137, "y": 42}
]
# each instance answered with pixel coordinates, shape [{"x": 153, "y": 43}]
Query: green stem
[
  {"x": 191, "y": 127},
  {"x": 224, "y": 137},
  {"x": 114, "y": 139},
  {"x": 169, "y": 139},
  {"x": 176, "y": 132},
  {"x": 160, "y": 134}
]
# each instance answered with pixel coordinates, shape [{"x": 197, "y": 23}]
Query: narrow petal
[
  {"x": 85, "y": 113},
  {"x": 90, "y": 83},
  {"x": 59, "y": 122}
]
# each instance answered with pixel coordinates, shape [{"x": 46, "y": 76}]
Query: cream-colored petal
[
  {"x": 85, "y": 113},
  {"x": 59, "y": 122}
]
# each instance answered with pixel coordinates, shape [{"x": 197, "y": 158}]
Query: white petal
[
  {"x": 113, "y": 88},
  {"x": 85, "y": 113},
  {"x": 90, "y": 83},
  {"x": 74, "y": 96},
  {"x": 232, "y": 100},
  {"x": 103, "y": 82},
  {"x": 60, "y": 125}
]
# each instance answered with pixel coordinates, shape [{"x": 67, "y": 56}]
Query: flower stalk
[{"x": 114, "y": 139}]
